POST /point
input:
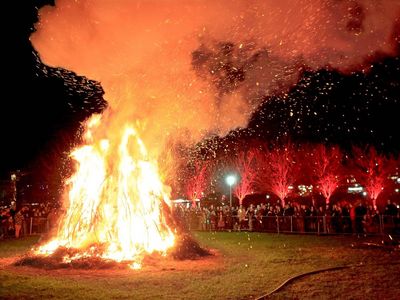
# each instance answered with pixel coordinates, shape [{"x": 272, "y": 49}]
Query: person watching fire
[{"x": 19, "y": 220}]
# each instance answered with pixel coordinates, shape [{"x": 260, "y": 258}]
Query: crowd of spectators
[
  {"x": 30, "y": 218},
  {"x": 357, "y": 219}
]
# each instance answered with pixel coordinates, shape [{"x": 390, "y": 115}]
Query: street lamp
[{"x": 230, "y": 180}]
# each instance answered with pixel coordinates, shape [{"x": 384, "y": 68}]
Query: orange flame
[{"x": 114, "y": 201}]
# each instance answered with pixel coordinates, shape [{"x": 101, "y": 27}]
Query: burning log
[
  {"x": 186, "y": 248},
  {"x": 61, "y": 259}
]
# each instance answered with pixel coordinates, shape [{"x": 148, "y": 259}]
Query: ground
[{"x": 244, "y": 266}]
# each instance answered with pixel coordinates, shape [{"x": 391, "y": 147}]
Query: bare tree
[
  {"x": 326, "y": 166},
  {"x": 372, "y": 170},
  {"x": 247, "y": 165},
  {"x": 283, "y": 170},
  {"x": 198, "y": 180}
]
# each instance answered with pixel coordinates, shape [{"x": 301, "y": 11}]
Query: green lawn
[{"x": 246, "y": 266}]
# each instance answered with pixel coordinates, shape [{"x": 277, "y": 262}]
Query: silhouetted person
[{"x": 360, "y": 211}]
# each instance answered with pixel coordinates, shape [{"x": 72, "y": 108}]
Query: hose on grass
[{"x": 291, "y": 279}]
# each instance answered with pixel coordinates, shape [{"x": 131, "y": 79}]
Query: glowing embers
[{"x": 114, "y": 206}]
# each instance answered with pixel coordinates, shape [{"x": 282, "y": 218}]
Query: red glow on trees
[
  {"x": 372, "y": 171},
  {"x": 283, "y": 170},
  {"x": 246, "y": 164},
  {"x": 197, "y": 183},
  {"x": 327, "y": 185},
  {"x": 326, "y": 169}
]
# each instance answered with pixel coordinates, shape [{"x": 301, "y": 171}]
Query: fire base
[{"x": 186, "y": 248}]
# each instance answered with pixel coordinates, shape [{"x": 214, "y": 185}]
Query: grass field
[{"x": 245, "y": 266}]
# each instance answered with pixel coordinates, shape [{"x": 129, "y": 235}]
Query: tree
[
  {"x": 326, "y": 167},
  {"x": 282, "y": 170},
  {"x": 372, "y": 170},
  {"x": 198, "y": 181},
  {"x": 246, "y": 164}
]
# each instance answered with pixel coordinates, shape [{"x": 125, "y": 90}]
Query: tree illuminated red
[
  {"x": 372, "y": 170},
  {"x": 326, "y": 168},
  {"x": 282, "y": 170},
  {"x": 246, "y": 165},
  {"x": 197, "y": 183}
]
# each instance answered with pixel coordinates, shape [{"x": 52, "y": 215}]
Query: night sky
[{"x": 43, "y": 106}]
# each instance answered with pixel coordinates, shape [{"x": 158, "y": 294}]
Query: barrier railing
[
  {"x": 38, "y": 225},
  {"x": 379, "y": 224}
]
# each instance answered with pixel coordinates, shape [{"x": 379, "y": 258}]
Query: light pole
[{"x": 230, "y": 180}]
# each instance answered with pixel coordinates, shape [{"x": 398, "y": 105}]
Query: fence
[
  {"x": 38, "y": 225},
  {"x": 30, "y": 226},
  {"x": 379, "y": 224}
]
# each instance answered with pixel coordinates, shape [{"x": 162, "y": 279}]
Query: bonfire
[{"x": 116, "y": 209}]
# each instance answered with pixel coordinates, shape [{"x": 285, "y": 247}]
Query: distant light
[
  {"x": 13, "y": 177},
  {"x": 230, "y": 180},
  {"x": 364, "y": 194},
  {"x": 398, "y": 179},
  {"x": 267, "y": 196},
  {"x": 355, "y": 188},
  {"x": 396, "y": 190}
]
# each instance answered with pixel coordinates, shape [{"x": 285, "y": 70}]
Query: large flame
[{"x": 114, "y": 205}]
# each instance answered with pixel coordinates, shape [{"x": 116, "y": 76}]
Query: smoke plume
[{"x": 189, "y": 68}]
